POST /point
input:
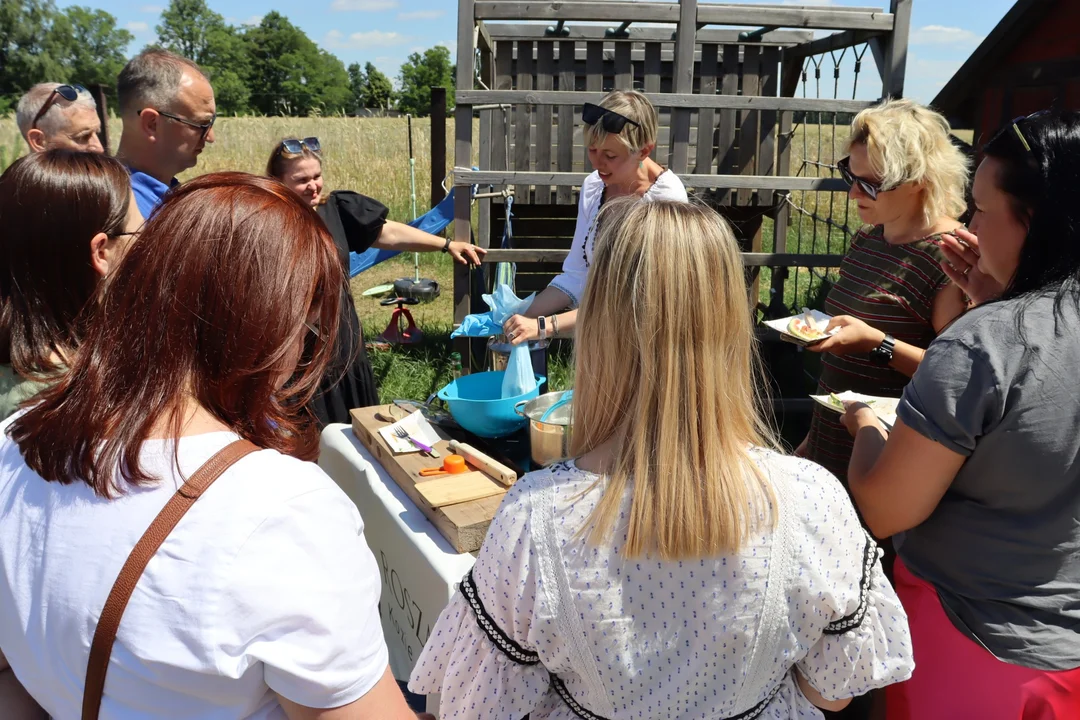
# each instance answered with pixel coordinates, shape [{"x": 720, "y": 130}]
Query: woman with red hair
[{"x": 263, "y": 600}]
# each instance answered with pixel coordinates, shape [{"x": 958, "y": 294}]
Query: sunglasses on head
[
  {"x": 1016, "y": 127},
  {"x": 296, "y": 147},
  {"x": 867, "y": 186},
  {"x": 610, "y": 120},
  {"x": 68, "y": 92}
]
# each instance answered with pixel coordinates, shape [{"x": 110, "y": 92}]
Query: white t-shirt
[
  {"x": 266, "y": 585},
  {"x": 575, "y": 269}
]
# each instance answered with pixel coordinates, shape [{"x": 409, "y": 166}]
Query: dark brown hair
[
  {"x": 208, "y": 305},
  {"x": 51, "y": 205}
]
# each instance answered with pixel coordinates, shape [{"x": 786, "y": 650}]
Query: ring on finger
[{"x": 966, "y": 271}]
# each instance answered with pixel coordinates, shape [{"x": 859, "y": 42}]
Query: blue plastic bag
[{"x": 519, "y": 377}]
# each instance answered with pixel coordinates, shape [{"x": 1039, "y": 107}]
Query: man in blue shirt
[{"x": 168, "y": 110}]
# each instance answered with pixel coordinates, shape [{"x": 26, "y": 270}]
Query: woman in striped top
[{"x": 893, "y": 296}]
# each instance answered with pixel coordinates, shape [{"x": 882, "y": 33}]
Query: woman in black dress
[{"x": 357, "y": 223}]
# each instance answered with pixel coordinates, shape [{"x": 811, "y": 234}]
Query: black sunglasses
[
  {"x": 204, "y": 128},
  {"x": 295, "y": 147},
  {"x": 610, "y": 120},
  {"x": 68, "y": 92},
  {"x": 870, "y": 188}
]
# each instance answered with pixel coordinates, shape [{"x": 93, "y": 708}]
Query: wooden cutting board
[{"x": 463, "y": 524}]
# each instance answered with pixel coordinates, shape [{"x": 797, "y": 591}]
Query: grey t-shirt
[{"x": 1003, "y": 546}]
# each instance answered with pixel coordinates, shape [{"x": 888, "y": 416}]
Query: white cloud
[
  {"x": 924, "y": 78},
  {"x": 138, "y": 26},
  {"x": 942, "y": 35},
  {"x": 252, "y": 21},
  {"x": 421, "y": 15},
  {"x": 363, "y": 40},
  {"x": 450, "y": 45},
  {"x": 151, "y": 9},
  {"x": 362, "y": 5}
]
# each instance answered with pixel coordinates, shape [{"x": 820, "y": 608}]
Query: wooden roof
[{"x": 954, "y": 100}]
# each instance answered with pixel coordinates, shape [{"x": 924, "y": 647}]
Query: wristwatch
[
  {"x": 883, "y": 353},
  {"x": 446, "y": 247}
]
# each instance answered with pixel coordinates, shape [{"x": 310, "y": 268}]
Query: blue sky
[{"x": 943, "y": 32}]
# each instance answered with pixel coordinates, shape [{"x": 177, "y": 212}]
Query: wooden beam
[
  {"x": 749, "y": 259},
  {"x": 685, "y": 42},
  {"x": 601, "y": 10},
  {"x": 836, "y": 41},
  {"x": 503, "y": 31},
  {"x": 666, "y": 100},
  {"x": 463, "y": 127},
  {"x": 896, "y": 52},
  {"x": 833, "y": 18},
  {"x": 484, "y": 40},
  {"x": 463, "y": 177}
]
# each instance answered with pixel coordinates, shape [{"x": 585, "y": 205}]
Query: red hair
[{"x": 209, "y": 302}]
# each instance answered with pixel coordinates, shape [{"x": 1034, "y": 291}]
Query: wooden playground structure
[{"x": 731, "y": 83}]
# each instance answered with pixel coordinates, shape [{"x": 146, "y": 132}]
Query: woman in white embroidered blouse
[
  {"x": 620, "y": 134},
  {"x": 678, "y": 567}
]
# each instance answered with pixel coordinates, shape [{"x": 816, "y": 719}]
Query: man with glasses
[
  {"x": 167, "y": 106},
  {"x": 52, "y": 115}
]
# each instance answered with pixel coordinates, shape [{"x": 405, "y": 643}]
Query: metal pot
[{"x": 549, "y": 439}]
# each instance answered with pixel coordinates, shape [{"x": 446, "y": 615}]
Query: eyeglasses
[
  {"x": 1016, "y": 128},
  {"x": 610, "y": 120},
  {"x": 295, "y": 147},
  {"x": 68, "y": 92},
  {"x": 204, "y": 128},
  {"x": 867, "y": 186}
]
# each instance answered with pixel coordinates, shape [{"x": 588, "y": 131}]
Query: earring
[{"x": 641, "y": 164}]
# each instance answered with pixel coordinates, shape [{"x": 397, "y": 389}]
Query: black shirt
[{"x": 355, "y": 222}]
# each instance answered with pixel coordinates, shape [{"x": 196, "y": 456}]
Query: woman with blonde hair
[
  {"x": 676, "y": 567},
  {"x": 893, "y": 295},
  {"x": 620, "y": 134}
]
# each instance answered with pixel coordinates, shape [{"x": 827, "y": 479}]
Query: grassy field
[{"x": 370, "y": 156}]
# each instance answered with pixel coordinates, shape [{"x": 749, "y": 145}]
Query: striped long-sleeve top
[{"x": 891, "y": 288}]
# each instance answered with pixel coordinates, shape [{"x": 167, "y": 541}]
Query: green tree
[
  {"x": 25, "y": 41},
  {"x": 293, "y": 75},
  {"x": 89, "y": 45},
  {"x": 38, "y": 43},
  {"x": 419, "y": 74},
  {"x": 378, "y": 90},
  {"x": 356, "y": 86},
  {"x": 190, "y": 28}
]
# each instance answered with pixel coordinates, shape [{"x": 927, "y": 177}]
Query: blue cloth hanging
[{"x": 434, "y": 221}]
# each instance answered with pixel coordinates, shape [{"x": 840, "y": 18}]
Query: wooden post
[
  {"x": 98, "y": 93},
  {"x": 463, "y": 159},
  {"x": 895, "y": 55},
  {"x": 438, "y": 143},
  {"x": 685, "y": 40}
]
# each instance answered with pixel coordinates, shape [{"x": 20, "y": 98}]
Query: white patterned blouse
[{"x": 551, "y": 626}]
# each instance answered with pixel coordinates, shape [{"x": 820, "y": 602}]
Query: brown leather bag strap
[{"x": 105, "y": 634}]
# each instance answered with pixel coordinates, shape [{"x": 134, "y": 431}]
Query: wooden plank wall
[{"x": 542, "y": 138}]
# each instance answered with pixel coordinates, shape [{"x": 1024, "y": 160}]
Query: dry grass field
[{"x": 370, "y": 156}]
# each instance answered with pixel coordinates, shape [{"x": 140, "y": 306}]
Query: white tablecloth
[{"x": 420, "y": 569}]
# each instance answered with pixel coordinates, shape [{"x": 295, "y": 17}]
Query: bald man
[{"x": 55, "y": 115}]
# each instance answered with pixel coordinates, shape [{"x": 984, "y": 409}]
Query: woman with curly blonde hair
[{"x": 893, "y": 295}]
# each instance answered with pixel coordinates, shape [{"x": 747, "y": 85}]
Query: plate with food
[
  {"x": 806, "y": 328},
  {"x": 883, "y": 407}
]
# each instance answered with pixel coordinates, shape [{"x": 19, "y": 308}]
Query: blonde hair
[
  {"x": 909, "y": 142},
  {"x": 677, "y": 389},
  {"x": 630, "y": 104}
]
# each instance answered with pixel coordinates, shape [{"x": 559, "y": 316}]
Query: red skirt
[{"x": 957, "y": 679}]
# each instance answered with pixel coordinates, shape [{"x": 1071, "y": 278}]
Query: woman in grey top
[{"x": 980, "y": 476}]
